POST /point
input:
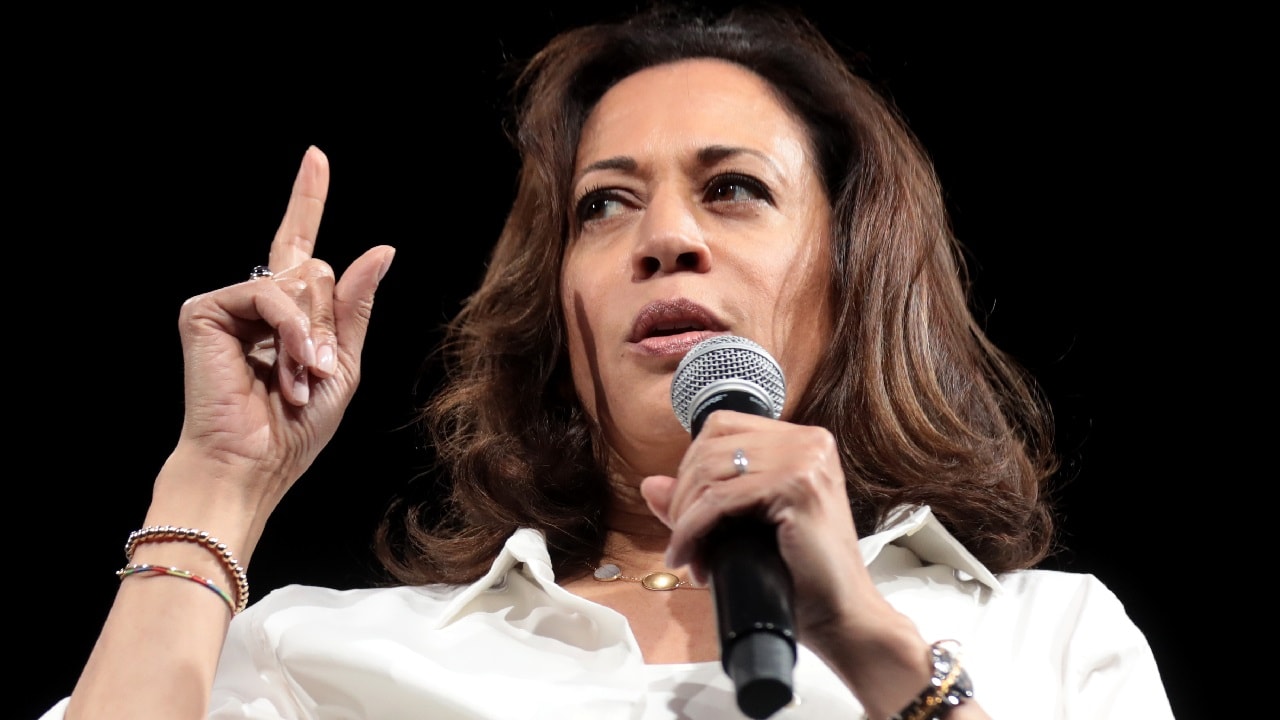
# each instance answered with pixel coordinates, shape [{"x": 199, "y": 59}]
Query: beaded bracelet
[
  {"x": 166, "y": 533},
  {"x": 949, "y": 686},
  {"x": 134, "y": 569}
]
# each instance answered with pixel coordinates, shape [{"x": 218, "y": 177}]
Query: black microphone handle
[
  {"x": 752, "y": 591},
  {"x": 751, "y": 588}
]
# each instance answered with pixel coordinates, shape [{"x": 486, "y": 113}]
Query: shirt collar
[
  {"x": 525, "y": 551},
  {"x": 915, "y": 528}
]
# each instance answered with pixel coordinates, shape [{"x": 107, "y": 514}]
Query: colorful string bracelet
[{"x": 135, "y": 569}]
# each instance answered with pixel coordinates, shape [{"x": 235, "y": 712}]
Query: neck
[{"x": 636, "y": 540}]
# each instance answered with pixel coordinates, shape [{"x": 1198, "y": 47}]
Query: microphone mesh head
[{"x": 725, "y": 358}]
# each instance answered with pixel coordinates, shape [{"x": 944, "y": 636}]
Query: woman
[{"x": 680, "y": 180}]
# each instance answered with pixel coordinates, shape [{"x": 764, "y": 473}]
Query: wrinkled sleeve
[
  {"x": 250, "y": 683},
  {"x": 1110, "y": 669}
]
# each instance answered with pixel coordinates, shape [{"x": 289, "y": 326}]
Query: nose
[{"x": 670, "y": 239}]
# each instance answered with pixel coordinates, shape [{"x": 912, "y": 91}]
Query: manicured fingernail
[
  {"x": 301, "y": 388},
  {"x": 326, "y": 360},
  {"x": 309, "y": 352}
]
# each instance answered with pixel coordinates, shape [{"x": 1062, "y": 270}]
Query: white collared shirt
[{"x": 516, "y": 646}]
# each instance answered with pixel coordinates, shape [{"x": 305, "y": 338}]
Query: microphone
[{"x": 750, "y": 584}]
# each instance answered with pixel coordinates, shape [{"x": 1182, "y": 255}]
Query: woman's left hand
[{"x": 793, "y": 480}]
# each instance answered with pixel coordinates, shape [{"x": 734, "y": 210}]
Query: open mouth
[
  {"x": 667, "y": 329},
  {"x": 669, "y": 318}
]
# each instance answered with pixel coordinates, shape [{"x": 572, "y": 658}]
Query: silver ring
[
  {"x": 260, "y": 271},
  {"x": 740, "y": 461}
]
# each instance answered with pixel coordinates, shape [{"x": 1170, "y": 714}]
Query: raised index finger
[{"x": 295, "y": 239}]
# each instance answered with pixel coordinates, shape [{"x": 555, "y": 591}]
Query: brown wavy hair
[{"x": 926, "y": 410}]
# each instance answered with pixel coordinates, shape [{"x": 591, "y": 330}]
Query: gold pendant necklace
[{"x": 660, "y": 580}]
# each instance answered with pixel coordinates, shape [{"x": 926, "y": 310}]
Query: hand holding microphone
[{"x": 750, "y": 584}]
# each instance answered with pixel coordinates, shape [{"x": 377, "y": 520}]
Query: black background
[{"x": 154, "y": 163}]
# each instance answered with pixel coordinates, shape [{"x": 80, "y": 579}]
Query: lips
[{"x": 670, "y": 327}]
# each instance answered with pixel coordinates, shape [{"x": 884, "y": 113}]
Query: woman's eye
[
  {"x": 736, "y": 188},
  {"x": 599, "y": 205}
]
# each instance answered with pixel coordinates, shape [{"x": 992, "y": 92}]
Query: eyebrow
[
  {"x": 715, "y": 153},
  {"x": 707, "y": 156},
  {"x": 621, "y": 162}
]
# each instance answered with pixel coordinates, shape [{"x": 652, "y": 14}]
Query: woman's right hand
[
  {"x": 253, "y": 424},
  {"x": 270, "y": 366}
]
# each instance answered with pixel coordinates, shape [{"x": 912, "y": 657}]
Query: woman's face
[{"x": 696, "y": 210}]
